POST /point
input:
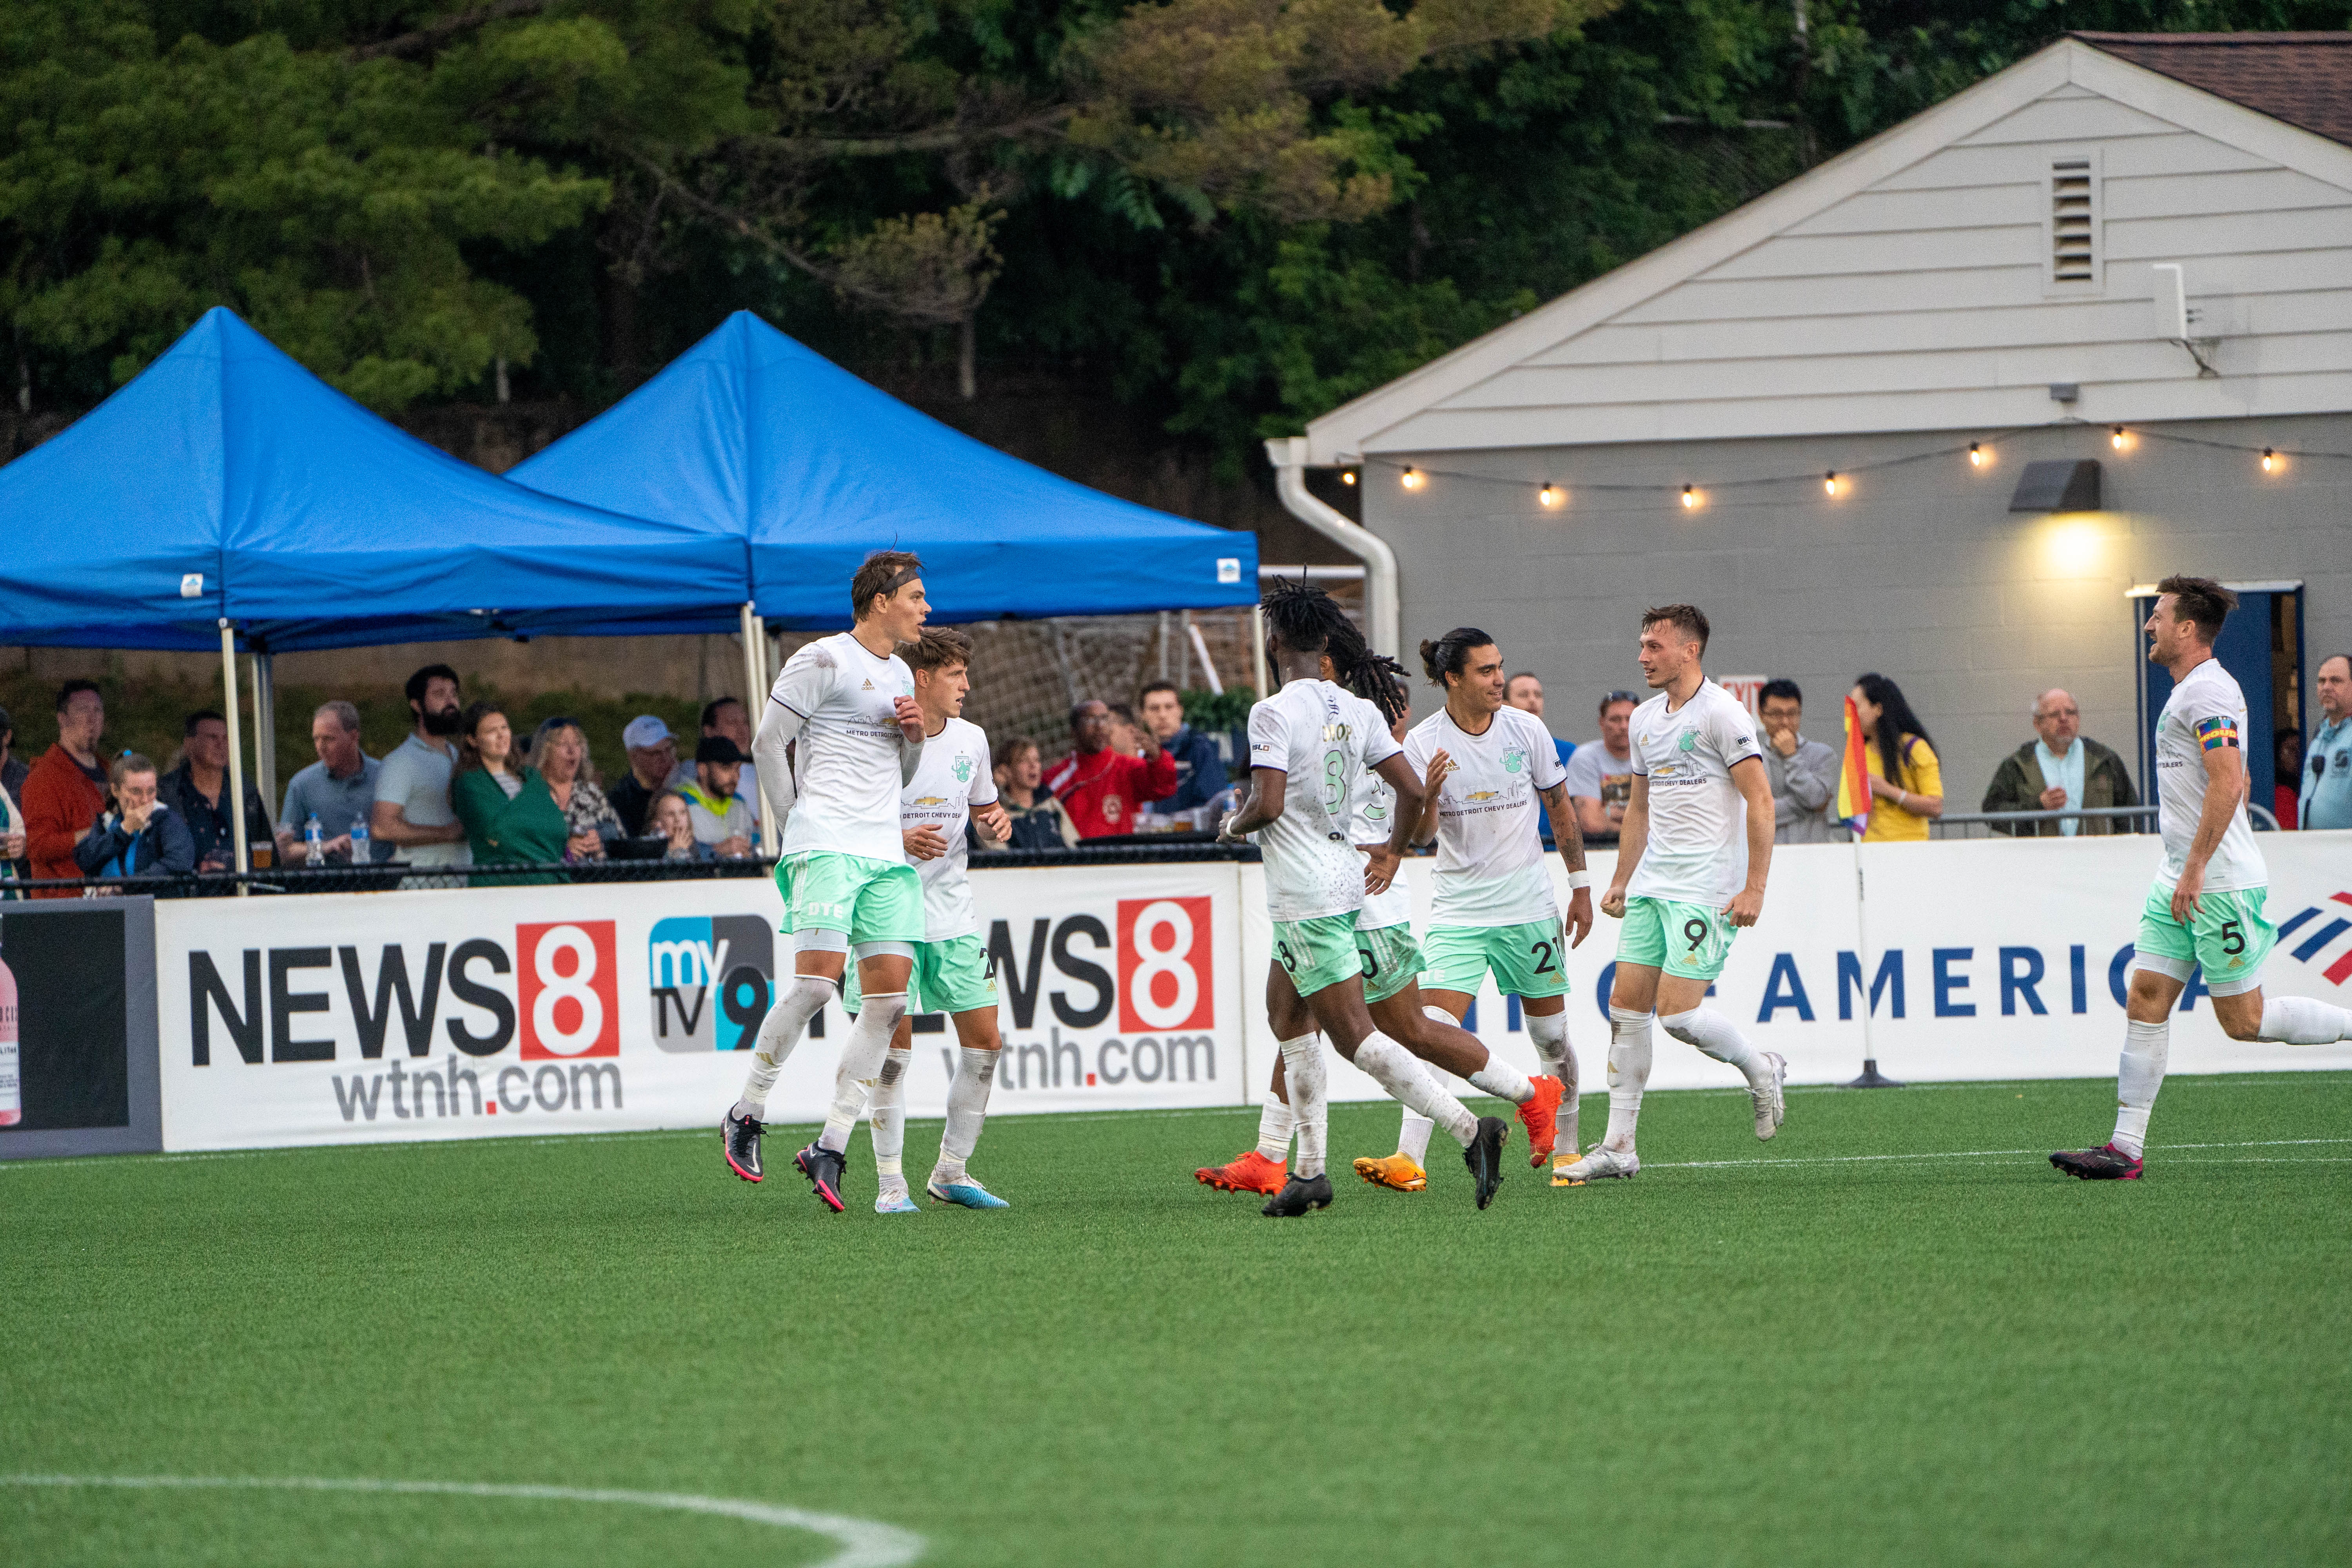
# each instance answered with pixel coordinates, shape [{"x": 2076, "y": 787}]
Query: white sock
[
  {"x": 1629, "y": 1073},
  {"x": 1500, "y": 1078},
  {"x": 2300, "y": 1021},
  {"x": 1304, "y": 1079},
  {"x": 1274, "y": 1121},
  {"x": 780, "y": 1031},
  {"x": 1558, "y": 1057},
  {"x": 967, "y": 1109},
  {"x": 1412, "y": 1134},
  {"x": 1718, "y": 1036},
  {"x": 1400, "y": 1072},
  {"x": 2137, "y": 1077},
  {"x": 861, "y": 1065},
  {"x": 888, "y": 1119}
]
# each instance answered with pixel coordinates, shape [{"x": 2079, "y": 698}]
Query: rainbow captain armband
[{"x": 2217, "y": 733}]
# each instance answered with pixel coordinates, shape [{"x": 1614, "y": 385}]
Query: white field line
[
  {"x": 864, "y": 1543},
  {"x": 1971, "y": 1154}
]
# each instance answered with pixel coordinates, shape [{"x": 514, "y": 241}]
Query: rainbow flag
[{"x": 1853, "y": 800}]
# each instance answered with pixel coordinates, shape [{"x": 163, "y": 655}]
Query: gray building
[{"x": 1812, "y": 416}]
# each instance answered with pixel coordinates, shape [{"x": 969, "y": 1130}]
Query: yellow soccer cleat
[
  {"x": 1560, "y": 1176},
  {"x": 1395, "y": 1171}
]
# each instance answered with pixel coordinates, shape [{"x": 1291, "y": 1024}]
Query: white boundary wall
[{"x": 1124, "y": 986}]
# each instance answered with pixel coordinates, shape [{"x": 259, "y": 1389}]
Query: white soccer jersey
[
  {"x": 1696, "y": 850},
  {"x": 2205, "y": 713},
  {"x": 1490, "y": 859},
  {"x": 1372, "y": 818},
  {"x": 847, "y": 794},
  {"x": 952, "y": 778},
  {"x": 1322, "y": 738}
]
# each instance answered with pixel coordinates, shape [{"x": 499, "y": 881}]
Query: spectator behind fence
[
  {"x": 559, "y": 749},
  {"x": 720, "y": 818},
  {"x": 1901, "y": 806},
  {"x": 2060, "y": 769},
  {"x": 653, "y": 768},
  {"x": 672, "y": 820},
  {"x": 1200, "y": 766},
  {"x": 2287, "y": 780},
  {"x": 412, "y": 807},
  {"x": 509, "y": 815},
  {"x": 1803, "y": 773},
  {"x": 1101, "y": 788},
  {"x": 339, "y": 789},
  {"x": 141, "y": 836},
  {"x": 66, "y": 790},
  {"x": 14, "y": 866},
  {"x": 1600, "y": 771},
  {"x": 198, "y": 790},
  {"x": 726, "y": 716},
  {"x": 1039, "y": 821},
  {"x": 2326, "y": 798},
  {"x": 1525, "y": 693}
]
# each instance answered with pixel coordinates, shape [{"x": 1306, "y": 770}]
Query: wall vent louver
[{"x": 2073, "y": 223}]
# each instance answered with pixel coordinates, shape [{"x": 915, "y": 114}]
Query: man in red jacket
[
  {"x": 1098, "y": 786},
  {"x": 66, "y": 790}
]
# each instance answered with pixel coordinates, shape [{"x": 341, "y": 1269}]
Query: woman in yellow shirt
[{"x": 1904, "y": 797}]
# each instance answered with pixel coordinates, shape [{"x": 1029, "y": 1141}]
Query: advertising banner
[
  {"x": 78, "y": 1027},
  {"x": 461, "y": 1014},
  {"x": 469, "y": 1014}
]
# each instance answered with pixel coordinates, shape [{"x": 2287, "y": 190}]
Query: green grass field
[{"x": 1831, "y": 1351}]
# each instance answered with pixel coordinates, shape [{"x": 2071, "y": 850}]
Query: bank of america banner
[{"x": 600, "y": 1008}]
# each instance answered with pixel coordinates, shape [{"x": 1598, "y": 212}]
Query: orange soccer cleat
[
  {"x": 1252, "y": 1172},
  {"x": 1540, "y": 1116},
  {"x": 1400, "y": 1171}
]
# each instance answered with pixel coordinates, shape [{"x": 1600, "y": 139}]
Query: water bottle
[
  {"x": 12, "y": 1092},
  {"x": 360, "y": 844},
  {"x": 314, "y": 843}
]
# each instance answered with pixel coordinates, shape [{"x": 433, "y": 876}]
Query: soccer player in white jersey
[
  {"x": 1391, "y": 968},
  {"x": 1308, "y": 743},
  {"x": 952, "y": 786},
  {"x": 849, "y": 700},
  {"x": 2205, "y": 907},
  {"x": 1691, "y": 861},
  {"x": 1488, "y": 769}
]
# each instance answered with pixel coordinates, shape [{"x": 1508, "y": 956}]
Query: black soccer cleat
[
  {"x": 1484, "y": 1157},
  {"x": 739, "y": 1137},
  {"x": 2105, "y": 1163},
  {"x": 1298, "y": 1195},
  {"x": 824, "y": 1169}
]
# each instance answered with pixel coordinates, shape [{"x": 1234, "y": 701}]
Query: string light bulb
[
  {"x": 1830, "y": 482},
  {"x": 1975, "y": 456},
  {"x": 1550, "y": 495},
  {"x": 2118, "y": 437},
  {"x": 1690, "y": 498},
  {"x": 1347, "y": 476},
  {"x": 2270, "y": 461},
  {"x": 1412, "y": 479}
]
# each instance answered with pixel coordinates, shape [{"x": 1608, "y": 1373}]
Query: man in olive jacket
[{"x": 2060, "y": 769}]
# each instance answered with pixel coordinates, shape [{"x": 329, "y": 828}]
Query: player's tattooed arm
[
  {"x": 1263, "y": 805},
  {"x": 1381, "y": 869},
  {"x": 1747, "y": 776},
  {"x": 1632, "y": 836},
  {"x": 1568, "y": 834},
  {"x": 2225, "y": 791}
]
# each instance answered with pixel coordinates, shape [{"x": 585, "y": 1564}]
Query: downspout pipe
[{"x": 1288, "y": 456}]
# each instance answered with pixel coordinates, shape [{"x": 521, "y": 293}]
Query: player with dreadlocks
[
  {"x": 1392, "y": 964},
  {"x": 1315, "y": 736}
]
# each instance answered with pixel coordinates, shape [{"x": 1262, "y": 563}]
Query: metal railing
[{"x": 2142, "y": 819}]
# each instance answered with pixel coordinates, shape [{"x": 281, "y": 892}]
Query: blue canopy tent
[
  {"x": 753, "y": 436},
  {"x": 228, "y": 497}
]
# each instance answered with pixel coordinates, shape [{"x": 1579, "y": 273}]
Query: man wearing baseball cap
[
  {"x": 720, "y": 818},
  {"x": 653, "y": 768}
]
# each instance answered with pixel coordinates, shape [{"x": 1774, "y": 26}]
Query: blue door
[{"x": 2260, "y": 646}]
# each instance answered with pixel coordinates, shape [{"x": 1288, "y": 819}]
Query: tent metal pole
[
  {"x": 265, "y": 727},
  {"x": 236, "y": 752},
  {"x": 1257, "y": 649},
  {"x": 755, "y": 688}
]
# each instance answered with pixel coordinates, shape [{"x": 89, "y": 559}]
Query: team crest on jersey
[
  {"x": 1514, "y": 759},
  {"x": 1690, "y": 740},
  {"x": 964, "y": 770}
]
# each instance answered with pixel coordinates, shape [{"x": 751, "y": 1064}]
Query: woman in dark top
[
  {"x": 508, "y": 814},
  {"x": 142, "y": 837}
]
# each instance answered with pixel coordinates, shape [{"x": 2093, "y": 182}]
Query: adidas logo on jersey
[{"x": 869, "y": 687}]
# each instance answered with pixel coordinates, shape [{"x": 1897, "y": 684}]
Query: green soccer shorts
[
  {"x": 1391, "y": 960},
  {"x": 1524, "y": 958},
  {"x": 1318, "y": 953},
  {"x": 951, "y": 976},
  {"x": 867, "y": 900},
  {"x": 1691, "y": 941},
  {"x": 2229, "y": 938}
]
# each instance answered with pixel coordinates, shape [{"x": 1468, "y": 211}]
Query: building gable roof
[
  {"x": 2303, "y": 79},
  {"x": 1651, "y": 351}
]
